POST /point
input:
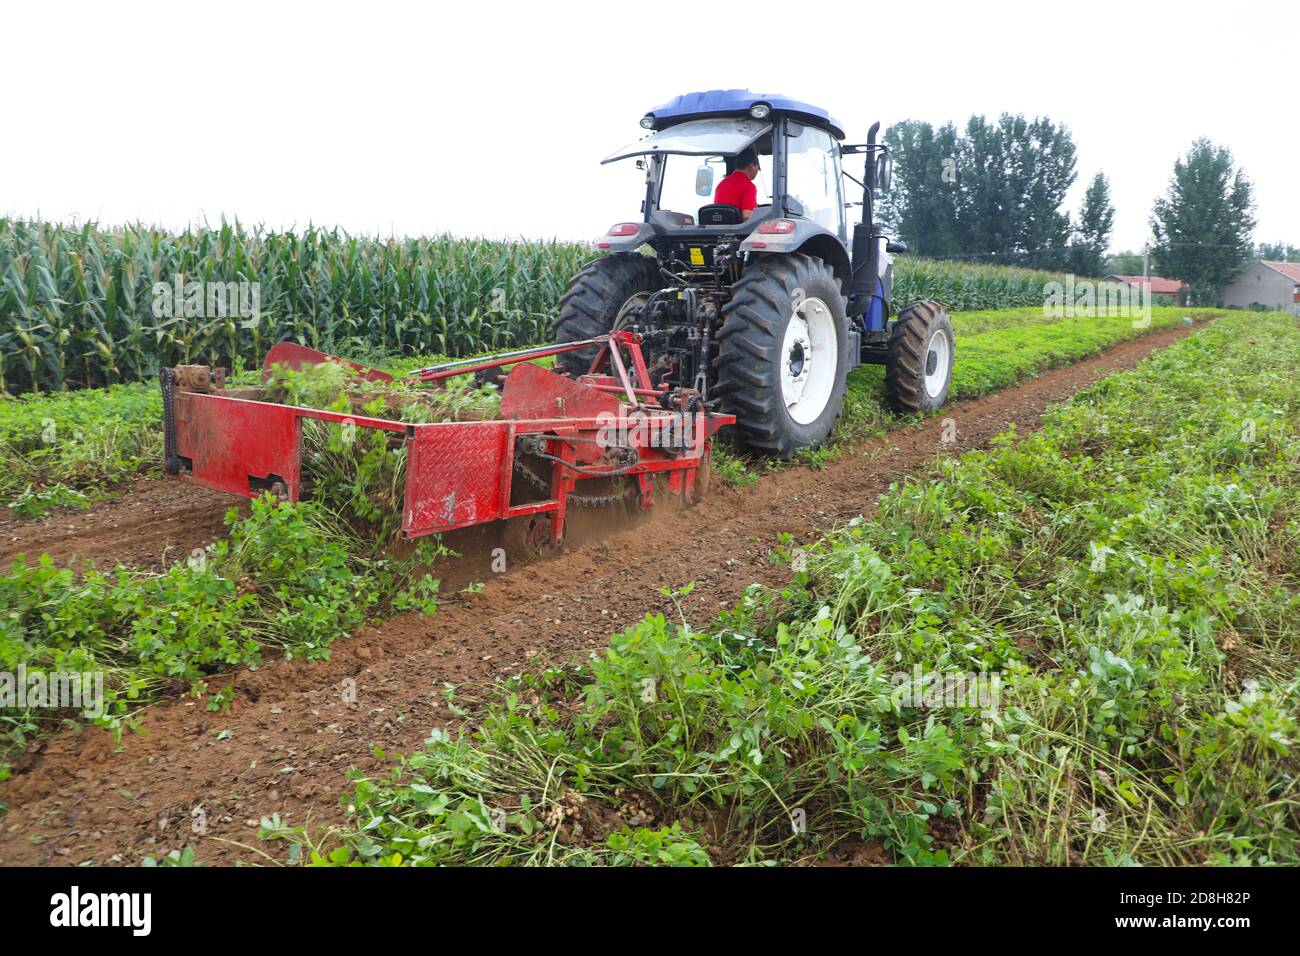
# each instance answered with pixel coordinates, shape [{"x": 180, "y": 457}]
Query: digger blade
[{"x": 295, "y": 356}]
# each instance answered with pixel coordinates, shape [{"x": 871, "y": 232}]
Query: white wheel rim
[
  {"x": 937, "y": 357},
  {"x": 809, "y": 358}
]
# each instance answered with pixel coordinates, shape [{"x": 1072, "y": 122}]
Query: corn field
[
  {"x": 969, "y": 287},
  {"x": 79, "y": 306}
]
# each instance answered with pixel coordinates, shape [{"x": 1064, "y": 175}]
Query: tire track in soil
[{"x": 82, "y": 798}]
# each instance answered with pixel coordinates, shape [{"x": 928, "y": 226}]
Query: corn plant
[
  {"x": 77, "y": 305},
  {"x": 969, "y": 286}
]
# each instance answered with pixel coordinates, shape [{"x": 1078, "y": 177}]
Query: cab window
[{"x": 813, "y": 176}]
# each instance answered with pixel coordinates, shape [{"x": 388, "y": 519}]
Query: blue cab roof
[{"x": 736, "y": 102}]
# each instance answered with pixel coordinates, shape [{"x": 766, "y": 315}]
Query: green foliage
[
  {"x": 289, "y": 580},
  {"x": 1002, "y": 357},
  {"x": 921, "y": 204},
  {"x": 667, "y": 846},
  {"x": 730, "y": 468},
  {"x": 1203, "y": 224},
  {"x": 176, "y": 858},
  {"x": 64, "y": 449},
  {"x": 1124, "y": 263},
  {"x": 996, "y": 349},
  {"x": 77, "y": 304},
  {"x": 1014, "y": 174},
  {"x": 1277, "y": 252},
  {"x": 83, "y": 441},
  {"x": 37, "y": 502},
  {"x": 969, "y": 286},
  {"x": 1129, "y": 574},
  {"x": 991, "y": 193},
  {"x": 1092, "y": 234},
  {"x": 358, "y": 473}
]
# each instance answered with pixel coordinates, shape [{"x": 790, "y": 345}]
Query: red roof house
[{"x": 1179, "y": 290}]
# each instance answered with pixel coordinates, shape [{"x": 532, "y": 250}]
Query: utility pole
[{"x": 1146, "y": 270}]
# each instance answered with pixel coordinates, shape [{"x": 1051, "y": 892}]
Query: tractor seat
[{"x": 719, "y": 214}]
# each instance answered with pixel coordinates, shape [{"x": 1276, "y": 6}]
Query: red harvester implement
[{"x": 601, "y": 425}]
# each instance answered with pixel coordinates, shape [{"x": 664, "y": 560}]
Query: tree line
[{"x": 995, "y": 190}]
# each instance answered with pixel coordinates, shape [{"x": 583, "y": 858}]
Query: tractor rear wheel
[
  {"x": 918, "y": 367},
  {"x": 598, "y": 298},
  {"x": 783, "y": 354}
]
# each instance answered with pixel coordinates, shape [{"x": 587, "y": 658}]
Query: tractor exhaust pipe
[
  {"x": 869, "y": 174},
  {"x": 866, "y": 250}
]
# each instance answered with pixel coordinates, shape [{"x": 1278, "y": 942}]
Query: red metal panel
[
  {"x": 532, "y": 392},
  {"x": 230, "y": 441},
  {"x": 295, "y": 356},
  {"x": 453, "y": 475}
]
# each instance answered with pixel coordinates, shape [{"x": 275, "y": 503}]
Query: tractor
[
  {"x": 748, "y": 318},
  {"x": 765, "y": 314}
]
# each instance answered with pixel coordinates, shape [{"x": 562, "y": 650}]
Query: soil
[
  {"x": 146, "y": 524},
  {"x": 295, "y": 727}
]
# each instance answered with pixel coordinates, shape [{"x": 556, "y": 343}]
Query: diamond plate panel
[{"x": 457, "y": 474}]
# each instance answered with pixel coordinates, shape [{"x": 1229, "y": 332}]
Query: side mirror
[
  {"x": 884, "y": 171},
  {"x": 704, "y": 181},
  {"x": 896, "y": 248}
]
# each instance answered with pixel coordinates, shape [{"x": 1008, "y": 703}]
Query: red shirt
[{"x": 737, "y": 190}]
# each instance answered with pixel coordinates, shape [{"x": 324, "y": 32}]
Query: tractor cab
[{"x": 688, "y": 152}]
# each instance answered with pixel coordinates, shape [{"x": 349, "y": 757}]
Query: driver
[{"x": 738, "y": 189}]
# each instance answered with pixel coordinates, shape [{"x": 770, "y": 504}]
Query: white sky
[{"x": 490, "y": 119}]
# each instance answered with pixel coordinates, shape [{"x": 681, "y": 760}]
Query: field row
[
  {"x": 1080, "y": 646},
  {"x": 290, "y": 580}
]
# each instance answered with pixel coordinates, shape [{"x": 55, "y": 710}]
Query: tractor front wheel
[
  {"x": 783, "y": 354},
  {"x": 918, "y": 367}
]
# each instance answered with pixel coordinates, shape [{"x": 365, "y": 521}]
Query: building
[
  {"x": 1180, "y": 292},
  {"x": 1272, "y": 285}
]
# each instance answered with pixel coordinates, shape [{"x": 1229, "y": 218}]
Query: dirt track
[{"x": 292, "y": 735}]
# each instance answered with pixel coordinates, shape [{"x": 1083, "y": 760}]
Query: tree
[
  {"x": 1278, "y": 252},
  {"x": 992, "y": 193},
  {"x": 987, "y": 205},
  {"x": 1043, "y": 163},
  {"x": 921, "y": 207},
  {"x": 1126, "y": 263},
  {"x": 1096, "y": 217},
  {"x": 1203, "y": 225}
]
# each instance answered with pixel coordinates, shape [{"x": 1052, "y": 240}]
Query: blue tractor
[{"x": 763, "y": 312}]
